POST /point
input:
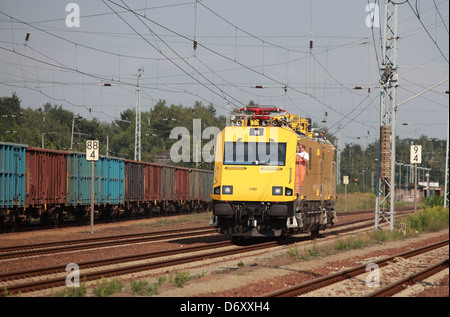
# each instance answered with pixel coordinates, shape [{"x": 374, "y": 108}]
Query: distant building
[{"x": 405, "y": 192}]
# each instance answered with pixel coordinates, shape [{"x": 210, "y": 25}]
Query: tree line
[
  {"x": 54, "y": 125},
  {"x": 361, "y": 164},
  {"x": 26, "y": 126}
]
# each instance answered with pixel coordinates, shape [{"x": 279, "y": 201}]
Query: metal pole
[
  {"x": 71, "y": 138},
  {"x": 446, "y": 170},
  {"x": 415, "y": 188},
  {"x": 92, "y": 197},
  {"x": 345, "y": 202},
  {"x": 79, "y": 134},
  {"x": 137, "y": 134}
]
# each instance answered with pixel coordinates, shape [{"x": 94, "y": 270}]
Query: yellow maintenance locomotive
[{"x": 274, "y": 176}]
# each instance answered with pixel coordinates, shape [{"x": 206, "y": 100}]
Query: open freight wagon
[
  {"x": 109, "y": 187},
  {"x": 12, "y": 182}
]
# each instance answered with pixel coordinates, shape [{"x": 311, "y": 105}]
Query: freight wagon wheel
[
  {"x": 315, "y": 232},
  {"x": 18, "y": 223},
  {"x": 44, "y": 219},
  {"x": 60, "y": 218}
]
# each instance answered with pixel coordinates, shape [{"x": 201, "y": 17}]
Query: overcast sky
[{"x": 241, "y": 44}]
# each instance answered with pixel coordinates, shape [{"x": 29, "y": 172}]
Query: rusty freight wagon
[
  {"x": 181, "y": 184},
  {"x": 152, "y": 187},
  {"x": 46, "y": 184},
  {"x": 143, "y": 187}
]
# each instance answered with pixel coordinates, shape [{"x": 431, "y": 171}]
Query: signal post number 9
[
  {"x": 92, "y": 150},
  {"x": 416, "y": 154}
]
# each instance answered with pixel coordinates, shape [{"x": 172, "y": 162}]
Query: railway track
[
  {"x": 101, "y": 242},
  {"x": 72, "y": 223},
  {"x": 389, "y": 290},
  {"x": 55, "y": 276},
  {"x": 399, "y": 285},
  {"x": 76, "y": 245}
]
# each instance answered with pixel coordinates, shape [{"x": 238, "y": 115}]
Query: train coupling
[{"x": 213, "y": 221}]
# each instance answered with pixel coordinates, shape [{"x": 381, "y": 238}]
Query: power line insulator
[
  {"x": 195, "y": 44},
  {"x": 27, "y": 37}
]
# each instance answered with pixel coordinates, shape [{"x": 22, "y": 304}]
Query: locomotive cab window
[{"x": 255, "y": 153}]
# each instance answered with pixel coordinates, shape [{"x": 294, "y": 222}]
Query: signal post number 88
[{"x": 92, "y": 150}]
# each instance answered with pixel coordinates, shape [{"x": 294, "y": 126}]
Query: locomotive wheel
[{"x": 237, "y": 239}]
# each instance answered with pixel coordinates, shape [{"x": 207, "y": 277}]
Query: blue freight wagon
[
  {"x": 12, "y": 176},
  {"x": 109, "y": 178}
]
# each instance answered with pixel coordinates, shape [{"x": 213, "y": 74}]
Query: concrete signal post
[
  {"x": 345, "y": 181},
  {"x": 415, "y": 158},
  {"x": 92, "y": 154}
]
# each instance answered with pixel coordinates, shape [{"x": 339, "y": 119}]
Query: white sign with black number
[
  {"x": 345, "y": 180},
  {"x": 416, "y": 154},
  {"x": 92, "y": 150}
]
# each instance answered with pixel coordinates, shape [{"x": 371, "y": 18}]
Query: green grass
[
  {"x": 359, "y": 201},
  {"x": 72, "y": 291},
  {"x": 306, "y": 254},
  {"x": 143, "y": 287},
  {"x": 191, "y": 219},
  {"x": 355, "y": 201},
  {"x": 107, "y": 287},
  {"x": 428, "y": 219},
  {"x": 351, "y": 243},
  {"x": 180, "y": 278}
]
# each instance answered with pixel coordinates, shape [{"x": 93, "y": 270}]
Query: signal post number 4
[
  {"x": 416, "y": 154},
  {"x": 92, "y": 150}
]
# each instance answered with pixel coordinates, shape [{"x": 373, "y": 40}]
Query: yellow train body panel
[
  {"x": 257, "y": 188},
  {"x": 254, "y": 182}
]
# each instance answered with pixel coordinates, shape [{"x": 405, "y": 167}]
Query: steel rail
[
  {"x": 53, "y": 282},
  {"x": 399, "y": 285},
  {"x": 60, "y": 281},
  {"x": 320, "y": 282},
  {"x": 21, "y": 274},
  {"x": 52, "y": 247}
]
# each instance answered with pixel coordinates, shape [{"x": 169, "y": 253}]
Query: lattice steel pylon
[
  {"x": 137, "y": 133},
  {"x": 385, "y": 201}
]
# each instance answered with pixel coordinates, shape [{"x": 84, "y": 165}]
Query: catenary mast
[{"x": 385, "y": 201}]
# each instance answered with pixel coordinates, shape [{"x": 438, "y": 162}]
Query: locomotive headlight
[
  {"x": 288, "y": 192},
  {"x": 277, "y": 191},
  {"x": 217, "y": 190},
  {"x": 227, "y": 190}
]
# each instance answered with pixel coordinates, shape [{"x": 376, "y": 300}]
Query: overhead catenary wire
[
  {"x": 416, "y": 13},
  {"x": 162, "y": 53},
  {"x": 213, "y": 71},
  {"x": 215, "y": 52}
]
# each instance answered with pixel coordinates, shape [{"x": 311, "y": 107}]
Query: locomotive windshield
[{"x": 255, "y": 153}]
